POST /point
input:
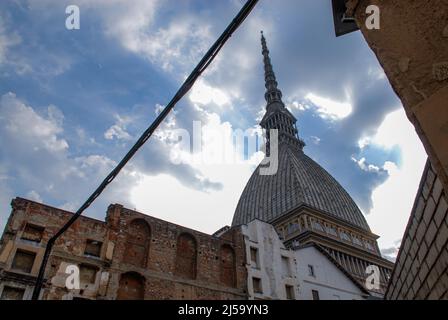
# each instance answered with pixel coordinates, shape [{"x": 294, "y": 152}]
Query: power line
[{"x": 186, "y": 86}]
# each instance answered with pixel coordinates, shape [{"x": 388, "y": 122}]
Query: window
[
  {"x": 256, "y": 282},
  {"x": 285, "y": 266},
  {"x": 345, "y": 236},
  {"x": 317, "y": 226},
  {"x": 87, "y": 274},
  {"x": 254, "y": 257},
  {"x": 331, "y": 230},
  {"x": 311, "y": 271},
  {"x": 369, "y": 246},
  {"x": 315, "y": 294},
  {"x": 33, "y": 233},
  {"x": 23, "y": 261},
  {"x": 93, "y": 248},
  {"x": 357, "y": 241},
  {"x": 289, "y": 292},
  {"x": 293, "y": 227},
  {"x": 10, "y": 293}
]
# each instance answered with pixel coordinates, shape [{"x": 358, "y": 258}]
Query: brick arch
[
  {"x": 227, "y": 266},
  {"x": 131, "y": 287},
  {"x": 186, "y": 256},
  {"x": 138, "y": 237}
]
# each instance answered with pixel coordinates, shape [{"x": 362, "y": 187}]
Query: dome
[{"x": 298, "y": 181}]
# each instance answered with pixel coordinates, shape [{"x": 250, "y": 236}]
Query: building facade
[
  {"x": 421, "y": 270},
  {"x": 302, "y": 200},
  {"x": 321, "y": 277},
  {"x": 271, "y": 268},
  {"x": 302, "y": 273},
  {"x": 128, "y": 256}
]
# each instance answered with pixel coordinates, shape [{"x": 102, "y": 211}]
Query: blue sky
[{"x": 73, "y": 101}]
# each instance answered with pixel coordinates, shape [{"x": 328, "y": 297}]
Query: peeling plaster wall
[{"x": 264, "y": 238}]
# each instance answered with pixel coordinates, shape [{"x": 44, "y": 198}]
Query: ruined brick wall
[
  {"x": 421, "y": 270},
  {"x": 412, "y": 47},
  {"x": 128, "y": 256},
  {"x": 181, "y": 263},
  {"x": 22, "y": 246}
]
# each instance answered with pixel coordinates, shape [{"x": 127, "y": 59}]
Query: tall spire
[
  {"x": 272, "y": 92},
  {"x": 277, "y": 116}
]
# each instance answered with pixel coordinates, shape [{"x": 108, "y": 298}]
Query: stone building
[
  {"x": 302, "y": 200},
  {"x": 421, "y": 270},
  {"x": 128, "y": 256},
  {"x": 412, "y": 47}
]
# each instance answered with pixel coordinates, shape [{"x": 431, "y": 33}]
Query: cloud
[
  {"x": 30, "y": 57},
  {"x": 118, "y": 130},
  {"x": 44, "y": 131},
  {"x": 329, "y": 109},
  {"x": 170, "y": 43},
  {"x": 364, "y": 166},
  {"x": 39, "y": 165},
  {"x": 192, "y": 207},
  {"x": 205, "y": 94},
  {"x": 391, "y": 252},
  {"x": 8, "y": 40},
  {"x": 393, "y": 199},
  {"x": 136, "y": 54},
  {"x": 33, "y": 195}
]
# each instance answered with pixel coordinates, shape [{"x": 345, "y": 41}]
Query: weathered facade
[
  {"x": 271, "y": 268},
  {"x": 421, "y": 270},
  {"x": 128, "y": 256}
]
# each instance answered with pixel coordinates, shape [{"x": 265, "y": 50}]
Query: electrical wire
[{"x": 186, "y": 86}]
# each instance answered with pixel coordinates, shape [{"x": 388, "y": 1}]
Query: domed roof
[{"x": 298, "y": 181}]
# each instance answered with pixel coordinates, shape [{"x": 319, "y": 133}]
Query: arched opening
[
  {"x": 186, "y": 253},
  {"x": 228, "y": 266},
  {"x": 132, "y": 287},
  {"x": 137, "y": 243}
]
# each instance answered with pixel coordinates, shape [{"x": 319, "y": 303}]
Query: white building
[
  {"x": 322, "y": 278},
  {"x": 271, "y": 268},
  {"x": 306, "y": 273}
]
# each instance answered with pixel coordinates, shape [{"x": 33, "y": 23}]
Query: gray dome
[{"x": 299, "y": 181}]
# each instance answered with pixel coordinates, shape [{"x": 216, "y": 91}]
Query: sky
[{"x": 72, "y": 102}]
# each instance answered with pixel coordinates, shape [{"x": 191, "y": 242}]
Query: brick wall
[
  {"x": 421, "y": 270},
  {"x": 130, "y": 255}
]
